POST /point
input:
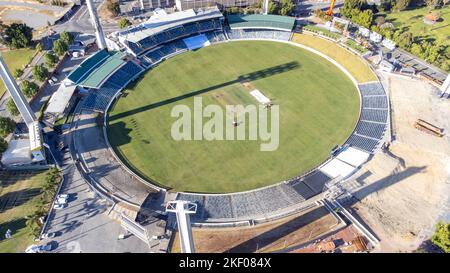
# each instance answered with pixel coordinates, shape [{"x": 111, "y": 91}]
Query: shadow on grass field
[
  {"x": 19, "y": 197},
  {"x": 257, "y": 75}
]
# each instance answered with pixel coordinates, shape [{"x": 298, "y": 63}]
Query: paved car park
[{"x": 83, "y": 225}]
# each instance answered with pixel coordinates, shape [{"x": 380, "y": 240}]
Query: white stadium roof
[
  {"x": 336, "y": 168},
  {"x": 353, "y": 156},
  {"x": 162, "y": 21},
  {"x": 59, "y": 100}
]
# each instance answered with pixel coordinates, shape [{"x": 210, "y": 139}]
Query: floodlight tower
[
  {"x": 182, "y": 210},
  {"x": 266, "y": 7},
  {"x": 17, "y": 96},
  {"x": 445, "y": 87},
  {"x": 101, "y": 42}
]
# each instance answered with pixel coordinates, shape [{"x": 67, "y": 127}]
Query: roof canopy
[
  {"x": 94, "y": 70},
  {"x": 59, "y": 100},
  {"x": 87, "y": 65},
  {"x": 100, "y": 73},
  {"x": 163, "y": 21},
  {"x": 261, "y": 21}
]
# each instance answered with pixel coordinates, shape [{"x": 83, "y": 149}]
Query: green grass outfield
[
  {"x": 14, "y": 59},
  {"x": 354, "y": 64},
  {"x": 412, "y": 20},
  {"x": 19, "y": 197},
  {"x": 319, "y": 108}
]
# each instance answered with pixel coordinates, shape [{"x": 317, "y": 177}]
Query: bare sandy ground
[
  {"x": 406, "y": 191},
  {"x": 33, "y": 13},
  {"x": 273, "y": 236}
]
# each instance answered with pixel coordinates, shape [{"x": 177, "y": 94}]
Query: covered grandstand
[
  {"x": 257, "y": 21},
  {"x": 95, "y": 70},
  {"x": 255, "y": 26},
  {"x": 163, "y": 28}
]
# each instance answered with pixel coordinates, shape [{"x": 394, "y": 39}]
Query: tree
[
  {"x": 441, "y": 236},
  {"x": 113, "y": 7},
  {"x": 124, "y": 22},
  {"x": 40, "y": 72},
  {"x": 379, "y": 20},
  {"x": 18, "y": 35},
  {"x": 60, "y": 47},
  {"x": 3, "y": 145},
  {"x": 432, "y": 51},
  {"x": 12, "y": 108},
  {"x": 7, "y": 126},
  {"x": 433, "y": 4},
  {"x": 287, "y": 7},
  {"x": 349, "y": 6},
  {"x": 364, "y": 18},
  {"x": 416, "y": 50},
  {"x": 66, "y": 37},
  {"x": 273, "y": 7},
  {"x": 39, "y": 47},
  {"x": 401, "y": 4},
  {"x": 18, "y": 72},
  {"x": 405, "y": 40},
  {"x": 33, "y": 224},
  {"x": 29, "y": 88},
  {"x": 51, "y": 59}
]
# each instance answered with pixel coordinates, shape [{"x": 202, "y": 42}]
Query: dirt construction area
[
  {"x": 406, "y": 189},
  {"x": 33, "y": 13},
  {"x": 275, "y": 236}
]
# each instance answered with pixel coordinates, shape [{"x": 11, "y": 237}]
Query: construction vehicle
[
  {"x": 429, "y": 128},
  {"x": 330, "y": 11}
]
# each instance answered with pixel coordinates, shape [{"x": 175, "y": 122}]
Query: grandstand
[
  {"x": 258, "y": 204},
  {"x": 260, "y": 27},
  {"x": 98, "y": 100},
  {"x": 256, "y": 21},
  {"x": 373, "y": 121},
  {"x": 164, "y": 28}
]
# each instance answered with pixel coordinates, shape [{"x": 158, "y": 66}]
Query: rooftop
[
  {"x": 162, "y": 21},
  {"x": 59, "y": 100},
  {"x": 100, "y": 72},
  {"x": 261, "y": 21}
]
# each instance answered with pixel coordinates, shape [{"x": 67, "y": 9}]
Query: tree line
[{"x": 434, "y": 51}]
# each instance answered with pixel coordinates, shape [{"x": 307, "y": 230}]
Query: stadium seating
[
  {"x": 377, "y": 115},
  {"x": 267, "y": 200},
  {"x": 259, "y": 203},
  {"x": 378, "y": 102},
  {"x": 215, "y": 36},
  {"x": 363, "y": 143},
  {"x": 155, "y": 56},
  {"x": 98, "y": 99},
  {"x": 370, "y": 129},
  {"x": 371, "y": 89},
  {"x": 373, "y": 123},
  {"x": 258, "y": 34},
  {"x": 218, "y": 206},
  {"x": 176, "y": 33}
]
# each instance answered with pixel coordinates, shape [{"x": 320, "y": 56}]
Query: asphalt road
[{"x": 84, "y": 225}]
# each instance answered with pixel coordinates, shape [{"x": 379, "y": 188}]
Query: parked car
[
  {"x": 47, "y": 247},
  {"x": 32, "y": 249},
  {"x": 49, "y": 235},
  {"x": 61, "y": 201},
  {"x": 58, "y": 206},
  {"x": 65, "y": 196}
]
